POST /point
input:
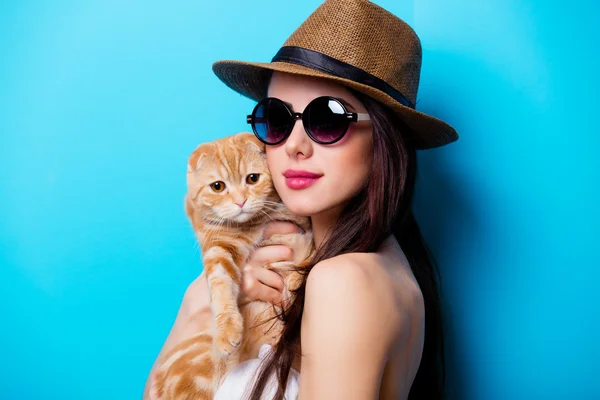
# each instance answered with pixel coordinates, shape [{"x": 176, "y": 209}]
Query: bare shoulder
[
  {"x": 352, "y": 273},
  {"x": 379, "y": 285},
  {"x": 360, "y": 326},
  {"x": 360, "y": 284}
]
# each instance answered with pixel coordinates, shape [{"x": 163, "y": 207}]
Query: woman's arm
[
  {"x": 348, "y": 328},
  {"x": 194, "y": 314}
]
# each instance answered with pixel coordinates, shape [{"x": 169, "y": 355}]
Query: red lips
[
  {"x": 290, "y": 173},
  {"x": 297, "y": 180}
]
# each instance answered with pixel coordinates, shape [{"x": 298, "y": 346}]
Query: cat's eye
[
  {"x": 252, "y": 179},
  {"x": 218, "y": 186}
]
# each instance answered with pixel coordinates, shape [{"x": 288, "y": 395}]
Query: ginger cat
[{"x": 230, "y": 198}]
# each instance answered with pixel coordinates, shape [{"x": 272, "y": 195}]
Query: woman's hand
[{"x": 259, "y": 283}]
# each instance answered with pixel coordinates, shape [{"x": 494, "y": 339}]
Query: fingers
[
  {"x": 281, "y": 227},
  {"x": 266, "y": 277},
  {"x": 261, "y": 284},
  {"x": 272, "y": 296},
  {"x": 269, "y": 254}
]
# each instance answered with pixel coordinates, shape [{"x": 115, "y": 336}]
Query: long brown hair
[{"x": 382, "y": 207}]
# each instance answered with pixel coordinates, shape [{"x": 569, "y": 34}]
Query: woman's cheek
[{"x": 272, "y": 153}]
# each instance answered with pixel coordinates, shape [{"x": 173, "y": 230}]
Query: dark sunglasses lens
[
  {"x": 326, "y": 120},
  {"x": 272, "y": 121}
]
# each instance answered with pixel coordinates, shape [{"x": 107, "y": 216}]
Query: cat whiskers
[
  {"x": 272, "y": 209},
  {"x": 196, "y": 246},
  {"x": 272, "y": 203},
  {"x": 213, "y": 228},
  {"x": 269, "y": 215}
]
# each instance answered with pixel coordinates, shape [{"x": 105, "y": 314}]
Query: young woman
[{"x": 367, "y": 319}]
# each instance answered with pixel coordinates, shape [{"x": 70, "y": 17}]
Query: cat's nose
[{"x": 241, "y": 203}]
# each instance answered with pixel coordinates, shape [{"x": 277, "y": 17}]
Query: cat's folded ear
[
  {"x": 202, "y": 151},
  {"x": 250, "y": 138}
]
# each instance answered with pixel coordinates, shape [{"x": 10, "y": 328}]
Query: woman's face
[{"x": 343, "y": 167}]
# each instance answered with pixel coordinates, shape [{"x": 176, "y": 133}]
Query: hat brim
[{"x": 251, "y": 80}]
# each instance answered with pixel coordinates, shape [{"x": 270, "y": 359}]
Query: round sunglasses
[{"x": 325, "y": 120}]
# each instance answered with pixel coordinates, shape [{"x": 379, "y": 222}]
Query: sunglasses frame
[{"x": 351, "y": 117}]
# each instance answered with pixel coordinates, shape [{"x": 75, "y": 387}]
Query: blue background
[{"x": 102, "y": 101}]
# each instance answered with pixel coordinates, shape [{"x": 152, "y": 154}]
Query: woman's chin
[
  {"x": 304, "y": 203},
  {"x": 307, "y": 208},
  {"x": 300, "y": 212}
]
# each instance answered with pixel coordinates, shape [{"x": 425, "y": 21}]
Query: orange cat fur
[{"x": 224, "y": 176}]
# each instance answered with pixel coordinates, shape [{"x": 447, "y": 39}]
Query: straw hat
[{"x": 360, "y": 45}]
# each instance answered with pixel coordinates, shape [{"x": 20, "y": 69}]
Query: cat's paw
[
  {"x": 301, "y": 244},
  {"x": 287, "y": 239},
  {"x": 281, "y": 267},
  {"x": 230, "y": 327}
]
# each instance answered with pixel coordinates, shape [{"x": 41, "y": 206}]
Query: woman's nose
[{"x": 298, "y": 144}]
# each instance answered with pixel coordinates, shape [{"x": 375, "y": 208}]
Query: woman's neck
[{"x": 321, "y": 223}]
